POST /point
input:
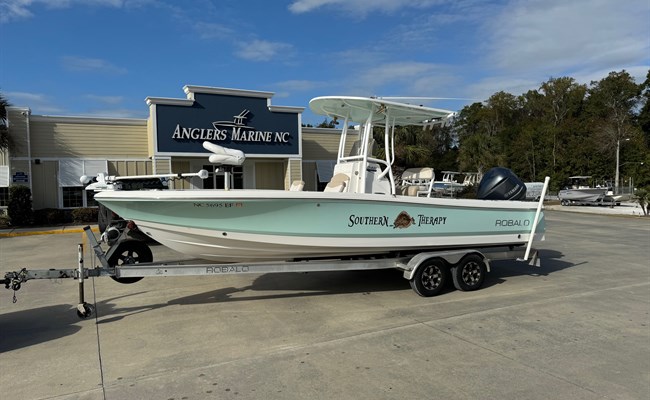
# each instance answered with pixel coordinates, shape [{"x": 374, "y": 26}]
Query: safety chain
[{"x": 13, "y": 281}]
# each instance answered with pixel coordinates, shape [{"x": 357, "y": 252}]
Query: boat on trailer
[
  {"x": 359, "y": 222},
  {"x": 359, "y": 213},
  {"x": 579, "y": 191}
]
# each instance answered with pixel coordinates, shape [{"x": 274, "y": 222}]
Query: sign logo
[{"x": 237, "y": 122}]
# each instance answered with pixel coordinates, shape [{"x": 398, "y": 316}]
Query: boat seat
[
  {"x": 338, "y": 183},
  {"x": 417, "y": 175},
  {"x": 297, "y": 186},
  {"x": 412, "y": 190},
  {"x": 415, "y": 180}
]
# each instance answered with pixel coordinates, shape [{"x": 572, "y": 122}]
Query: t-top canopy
[{"x": 358, "y": 109}]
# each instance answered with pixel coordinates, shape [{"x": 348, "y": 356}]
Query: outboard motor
[{"x": 501, "y": 184}]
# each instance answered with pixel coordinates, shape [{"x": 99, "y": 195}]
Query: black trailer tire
[
  {"x": 469, "y": 273},
  {"x": 130, "y": 252},
  {"x": 104, "y": 218},
  {"x": 430, "y": 278}
]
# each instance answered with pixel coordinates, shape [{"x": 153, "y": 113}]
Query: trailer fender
[{"x": 451, "y": 257}]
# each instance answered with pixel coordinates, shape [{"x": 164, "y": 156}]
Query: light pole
[{"x": 618, "y": 150}]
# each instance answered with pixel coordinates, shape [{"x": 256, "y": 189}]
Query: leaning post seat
[{"x": 414, "y": 180}]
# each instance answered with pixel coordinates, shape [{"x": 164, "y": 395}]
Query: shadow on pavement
[
  {"x": 29, "y": 327},
  {"x": 306, "y": 285},
  {"x": 551, "y": 261}
]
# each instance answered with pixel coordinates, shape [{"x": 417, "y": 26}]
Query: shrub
[
  {"x": 84, "y": 215},
  {"x": 49, "y": 216},
  {"x": 19, "y": 208},
  {"x": 4, "y": 221}
]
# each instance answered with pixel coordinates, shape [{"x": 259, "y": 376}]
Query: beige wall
[
  {"x": 293, "y": 172},
  {"x": 68, "y": 137},
  {"x": 130, "y": 167},
  {"x": 163, "y": 166},
  {"x": 323, "y": 144},
  {"x": 269, "y": 174},
  {"x": 43, "y": 139}
]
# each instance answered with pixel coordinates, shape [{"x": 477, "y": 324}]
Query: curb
[{"x": 45, "y": 232}]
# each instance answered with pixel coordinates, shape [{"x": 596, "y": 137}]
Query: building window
[
  {"x": 73, "y": 196},
  {"x": 215, "y": 180},
  {"x": 77, "y": 196},
  {"x": 72, "y": 192},
  {"x": 4, "y": 196},
  {"x": 90, "y": 198}
]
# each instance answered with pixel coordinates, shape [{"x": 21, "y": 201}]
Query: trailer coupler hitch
[{"x": 13, "y": 280}]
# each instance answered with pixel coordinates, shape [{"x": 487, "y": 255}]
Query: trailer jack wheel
[{"x": 85, "y": 310}]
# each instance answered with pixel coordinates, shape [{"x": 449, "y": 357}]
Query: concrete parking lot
[{"x": 575, "y": 328}]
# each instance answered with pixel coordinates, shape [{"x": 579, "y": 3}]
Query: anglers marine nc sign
[
  {"x": 234, "y": 131},
  {"x": 239, "y": 122}
]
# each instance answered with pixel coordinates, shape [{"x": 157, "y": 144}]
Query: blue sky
[{"x": 103, "y": 57}]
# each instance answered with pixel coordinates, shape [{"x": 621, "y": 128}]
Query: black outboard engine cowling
[{"x": 501, "y": 184}]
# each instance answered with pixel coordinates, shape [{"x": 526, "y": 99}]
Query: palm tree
[
  {"x": 4, "y": 132},
  {"x": 643, "y": 198}
]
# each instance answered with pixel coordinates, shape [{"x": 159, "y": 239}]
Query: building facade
[{"x": 49, "y": 154}]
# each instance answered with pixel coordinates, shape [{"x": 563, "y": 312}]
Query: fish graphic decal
[{"x": 403, "y": 220}]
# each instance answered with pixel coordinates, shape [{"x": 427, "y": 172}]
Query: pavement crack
[{"x": 99, "y": 342}]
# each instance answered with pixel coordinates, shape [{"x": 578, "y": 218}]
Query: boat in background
[
  {"x": 360, "y": 213},
  {"x": 579, "y": 191}
]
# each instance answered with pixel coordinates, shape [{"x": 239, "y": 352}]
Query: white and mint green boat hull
[{"x": 260, "y": 225}]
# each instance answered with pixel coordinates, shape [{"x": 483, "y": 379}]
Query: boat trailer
[{"x": 127, "y": 261}]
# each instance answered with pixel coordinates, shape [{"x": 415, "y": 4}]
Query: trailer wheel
[
  {"x": 130, "y": 252},
  {"x": 430, "y": 278},
  {"x": 469, "y": 273}
]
